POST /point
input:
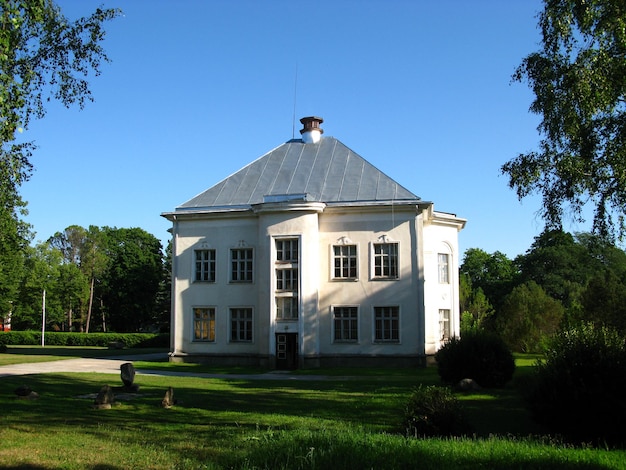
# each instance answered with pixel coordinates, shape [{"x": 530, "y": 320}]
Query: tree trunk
[{"x": 90, "y": 304}]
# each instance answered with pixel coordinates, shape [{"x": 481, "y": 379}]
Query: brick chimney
[{"x": 311, "y": 132}]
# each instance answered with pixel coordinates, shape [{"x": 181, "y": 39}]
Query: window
[
  {"x": 204, "y": 324},
  {"x": 287, "y": 274},
  {"x": 241, "y": 325},
  {"x": 346, "y": 324},
  {"x": 287, "y": 280},
  {"x": 345, "y": 262},
  {"x": 444, "y": 324},
  {"x": 287, "y": 250},
  {"x": 241, "y": 265},
  {"x": 387, "y": 324},
  {"x": 386, "y": 260},
  {"x": 205, "y": 265},
  {"x": 444, "y": 269},
  {"x": 287, "y": 308}
]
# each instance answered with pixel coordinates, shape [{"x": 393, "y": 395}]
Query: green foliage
[
  {"x": 580, "y": 389},
  {"x": 578, "y": 81},
  {"x": 132, "y": 278},
  {"x": 527, "y": 317},
  {"x": 434, "y": 411},
  {"x": 43, "y": 55},
  {"x": 53, "y": 338},
  {"x": 492, "y": 273},
  {"x": 481, "y": 356}
]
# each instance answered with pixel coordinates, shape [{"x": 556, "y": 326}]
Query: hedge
[{"x": 54, "y": 338}]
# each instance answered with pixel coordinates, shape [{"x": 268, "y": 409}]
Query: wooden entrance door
[{"x": 286, "y": 351}]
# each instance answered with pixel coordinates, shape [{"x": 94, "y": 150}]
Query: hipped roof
[{"x": 326, "y": 171}]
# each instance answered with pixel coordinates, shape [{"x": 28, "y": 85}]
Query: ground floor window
[
  {"x": 204, "y": 324},
  {"x": 241, "y": 324},
  {"x": 345, "y": 324},
  {"x": 387, "y": 324},
  {"x": 444, "y": 324}
]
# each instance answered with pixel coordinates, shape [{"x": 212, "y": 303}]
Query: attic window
[{"x": 285, "y": 197}]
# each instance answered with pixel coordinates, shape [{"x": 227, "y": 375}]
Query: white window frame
[
  {"x": 445, "y": 325},
  {"x": 334, "y": 338},
  {"x": 211, "y": 263},
  {"x": 235, "y": 265},
  {"x": 374, "y": 257},
  {"x": 334, "y": 257},
  {"x": 210, "y": 329},
  {"x": 383, "y": 340},
  {"x": 443, "y": 268},
  {"x": 235, "y": 324},
  {"x": 287, "y": 297}
]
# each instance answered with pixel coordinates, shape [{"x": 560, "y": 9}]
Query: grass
[{"x": 257, "y": 424}]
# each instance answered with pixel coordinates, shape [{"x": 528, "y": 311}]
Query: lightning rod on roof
[{"x": 295, "y": 94}]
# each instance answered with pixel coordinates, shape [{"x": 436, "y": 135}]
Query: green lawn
[{"x": 304, "y": 424}]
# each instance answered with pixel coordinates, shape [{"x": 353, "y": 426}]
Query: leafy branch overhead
[
  {"x": 43, "y": 56},
  {"x": 579, "y": 82}
]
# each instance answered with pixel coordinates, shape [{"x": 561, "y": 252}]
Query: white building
[{"x": 310, "y": 256}]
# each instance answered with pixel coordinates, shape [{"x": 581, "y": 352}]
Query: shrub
[
  {"x": 579, "y": 390},
  {"x": 53, "y": 338},
  {"x": 477, "y": 355},
  {"x": 434, "y": 411}
]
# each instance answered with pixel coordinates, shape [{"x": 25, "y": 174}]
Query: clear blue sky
[{"x": 198, "y": 89}]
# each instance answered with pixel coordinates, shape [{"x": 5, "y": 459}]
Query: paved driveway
[{"x": 111, "y": 365}]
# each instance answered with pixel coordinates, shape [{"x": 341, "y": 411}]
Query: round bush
[
  {"x": 434, "y": 411},
  {"x": 479, "y": 355},
  {"x": 579, "y": 391}
]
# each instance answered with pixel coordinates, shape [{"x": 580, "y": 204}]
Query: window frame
[
  {"x": 199, "y": 265},
  {"x": 241, "y": 329},
  {"x": 385, "y": 259},
  {"x": 287, "y": 287},
  {"x": 445, "y": 324},
  {"x": 235, "y": 266},
  {"x": 341, "y": 257},
  {"x": 443, "y": 268},
  {"x": 208, "y": 332},
  {"x": 388, "y": 313},
  {"x": 335, "y": 309}
]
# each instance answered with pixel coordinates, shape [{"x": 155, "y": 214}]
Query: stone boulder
[{"x": 105, "y": 398}]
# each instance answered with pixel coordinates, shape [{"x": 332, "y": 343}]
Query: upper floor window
[
  {"x": 385, "y": 260},
  {"x": 286, "y": 271},
  {"x": 287, "y": 250},
  {"x": 205, "y": 265},
  {"x": 387, "y": 324},
  {"x": 346, "y": 324},
  {"x": 444, "y": 268},
  {"x": 242, "y": 265},
  {"x": 204, "y": 324},
  {"x": 241, "y": 324},
  {"x": 345, "y": 262}
]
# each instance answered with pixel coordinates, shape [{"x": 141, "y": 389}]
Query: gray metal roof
[{"x": 326, "y": 171}]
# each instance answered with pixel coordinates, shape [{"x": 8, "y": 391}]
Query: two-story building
[{"x": 310, "y": 256}]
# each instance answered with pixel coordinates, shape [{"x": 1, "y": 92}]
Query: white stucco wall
[{"x": 420, "y": 237}]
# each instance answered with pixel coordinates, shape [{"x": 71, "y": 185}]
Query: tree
[
  {"x": 43, "y": 55},
  {"x": 475, "y": 308},
  {"x": 578, "y": 81},
  {"x": 493, "y": 273},
  {"x": 528, "y": 316},
  {"x": 41, "y": 274},
  {"x": 83, "y": 249},
  {"x": 558, "y": 264},
  {"x": 604, "y": 301},
  {"x": 132, "y": 280}
]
